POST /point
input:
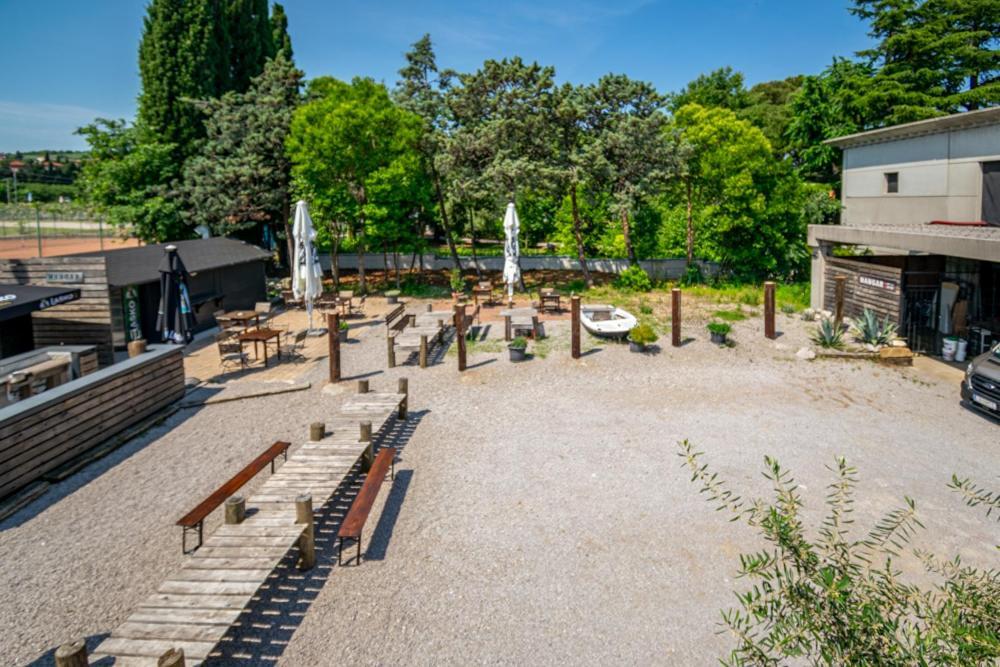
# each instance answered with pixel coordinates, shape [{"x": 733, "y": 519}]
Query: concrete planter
[{"x": 517, "y": 353}]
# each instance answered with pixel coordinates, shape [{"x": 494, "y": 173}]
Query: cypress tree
[
  {"x": 281, "y": 42},
  {"x": 249, "y": 28}
]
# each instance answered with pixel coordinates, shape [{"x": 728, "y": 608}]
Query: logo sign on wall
[
  {"x": 56, "y": 300},
  {"x": 130, "y": 310},
  {"x": 878, "y": 283},
  {"x": 64, "y": 277}
]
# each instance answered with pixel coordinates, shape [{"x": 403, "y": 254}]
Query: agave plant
[
  {"x": 829, "y": 334},
  {"x": 869, "y": 329}
]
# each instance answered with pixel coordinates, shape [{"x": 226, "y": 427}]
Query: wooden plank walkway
[{"x": 195, "y": 607}]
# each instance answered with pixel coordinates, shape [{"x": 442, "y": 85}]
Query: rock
[
  {"x": 805, "y": 354},
  {"x": 896, "y": 356}
]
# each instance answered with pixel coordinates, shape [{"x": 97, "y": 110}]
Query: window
[{"x": 892, "y": 182}]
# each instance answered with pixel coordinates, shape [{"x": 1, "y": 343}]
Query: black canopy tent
[{"x": 20, "y": 300}]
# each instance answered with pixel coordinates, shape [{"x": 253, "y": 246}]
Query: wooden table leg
[{"x": 265, "y": 354}]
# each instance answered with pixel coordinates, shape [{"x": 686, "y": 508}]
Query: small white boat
[{"x": 607, "y": 321}]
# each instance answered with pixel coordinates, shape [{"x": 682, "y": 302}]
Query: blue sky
[{"x": 69, "y": 61}]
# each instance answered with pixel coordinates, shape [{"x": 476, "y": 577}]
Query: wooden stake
[
  {"x": 390, "y": 349},
  {"x": 575, "y": 325},
  {"x": 675, "y": 317},
  {"x": 404, "y": 405},
  {"x": 307, "y": 540},
  {"x": 366, "y": 432},
  {"x": 838, "y": 298},
  {"x": 236, "y": 509},
  {"x": 172, "y": 658},
  {"x": 136, "y": 347},
  {"x": 73, "y": 654},
  {"x": 316, "y": 431},
  {"x": 460, "y": 336},
  {"x": 769, "y": 331},
  {"x": 368, "y": 456},
  {"x": 333, "y": 336},
  {"x": 362, "y": 386},
  {"x": 423, "y": 351}
]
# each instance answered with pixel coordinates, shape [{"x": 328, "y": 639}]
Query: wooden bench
[
  {"x": 354, "y": 522},
  {"x": 404, "y": 331},
  {"x": 195, "y": 519}
]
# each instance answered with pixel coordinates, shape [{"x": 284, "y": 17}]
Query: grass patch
[{"x": 730, "y": 315}]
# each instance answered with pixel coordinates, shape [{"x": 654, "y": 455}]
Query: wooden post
[
  {"x": 136, "y": 347},
  {"x": 460, "y": 336},
  {"x": 368, "y": 456},
  {"x": 333, "y": 336},
  {"x": 73, "y": 654},
  {"x": 362, "y": 386},
  {"x": 423, "y": 351},
  {"x": 506, "y": 327},
  {"x": 174, "y": 657},
  {"x": 307, "y": 541},
  {"x": 390, "y": 348},
  {"x": 236, "y": 509},
  {"x": 838, "y": 298},
  {"x": 575, "y": 325},
  {"x": 316, "y": 431},
  {"x": 675, "y": 317},
  {"x": 769, "y": 310},
  {"x": 430, "y": 307},
  {"x": 404, "y": 405}
]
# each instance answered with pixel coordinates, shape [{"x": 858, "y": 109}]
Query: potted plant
[
  {"x": 392, "y": 297},
  {"x": 719, "y": 331},
  {"x": 517, "y": 348},
  {"x": 641, "y": 336},
  {"x": 457, "y": 284},
  {"x": 343, "y": 331}
]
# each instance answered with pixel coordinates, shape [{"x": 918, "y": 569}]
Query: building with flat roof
[{"x": 919, "y": 238}]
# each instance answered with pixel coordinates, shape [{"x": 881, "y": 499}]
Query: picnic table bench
[
  {"x": 195, "y": 519},
  {"x": 356, "y": 517},
  {"x": 520, "y": 319},
  {"x": 412, "y": 332}
]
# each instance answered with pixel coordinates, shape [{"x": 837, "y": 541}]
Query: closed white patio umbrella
[
  {"x": 307, "y": 274},
  {"x": 511, "y": 250}
]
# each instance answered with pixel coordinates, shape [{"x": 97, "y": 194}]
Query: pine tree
[
  {"x": 281, "y": 42},
  {"x": 250, "y": 45}
]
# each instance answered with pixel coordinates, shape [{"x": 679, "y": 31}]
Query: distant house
[{"x": 919, "y": 239}]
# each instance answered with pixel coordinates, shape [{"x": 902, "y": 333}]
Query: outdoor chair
[
  {"x": 297, "y": 345},
  {"x": 289, "y": 298},
  {"x": 263, "y": 310},
  {"x": 230, "y": 351}
]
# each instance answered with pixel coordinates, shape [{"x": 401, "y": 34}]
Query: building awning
[
  {"x": 979, "y": 242},
  {"x": 18, "y": 300}
]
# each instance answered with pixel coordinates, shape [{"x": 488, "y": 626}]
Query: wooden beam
[
  {"x": 675, "y": 317},
  {"x": 769, "y": 331},
  {"x": 575, "y": 325},
  {"x": 333, "y": 335}
]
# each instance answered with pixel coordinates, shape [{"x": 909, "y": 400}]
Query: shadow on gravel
[
  {"x": 262, "y": 632},
  {"x": 361, "y": 376}
]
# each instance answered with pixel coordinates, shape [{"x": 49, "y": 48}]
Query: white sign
[
  {"x": 64, "y": 277},
  {"x": 877, "y": 283}
]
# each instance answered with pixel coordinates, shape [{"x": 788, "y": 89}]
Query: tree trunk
[
  {"x": 444, "y": 219},
  {"x": 627, "y": 233},
  {"x": 361, "y": 265},
  {"x": 335, "y": 256},
  {"x": 690, "y": 225},
  {"x": 289, "y": 241},
  {"x": 385, "y": 265},
  {"x": 578, "y": 236},
  {"x": 472, "y": 236},
  {"x": 395, "y": 262}
]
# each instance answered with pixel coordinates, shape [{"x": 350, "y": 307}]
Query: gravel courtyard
[{"x": 540, "y": 513}]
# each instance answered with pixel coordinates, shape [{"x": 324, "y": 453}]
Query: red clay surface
[{"x": 28, "y": 247}]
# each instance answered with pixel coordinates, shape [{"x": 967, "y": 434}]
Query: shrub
[
  {"x": 829, "y": 334},
  {"x": 870, "y": 330},
  {"x": 788, "y": 309},
  {"x": 719, "y": 328},
  {"x": 645, "y": 308},
  {"x": 841, "y": 601},
  {"x": 343, "y": 326},
  {"x": 692, "y": 275},
  {"x": 634, "y": 279},
  {"x": 519, "y": 343},
  {"x": 456, "y": 281},
  {"x": 730, "y": 315},
  {"x": 643, "y": 334}
]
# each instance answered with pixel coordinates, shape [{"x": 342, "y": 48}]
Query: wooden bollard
[
  {"x": 136, "y": 347},
  {"x": 307, "y": 540},
  {"x": 460, "y": 336},
  {"x": 575, "y": 325},
  {"x": 390, "y": 349},
  {"x": 838, "y": 299},
  {"x": 368, "y": 456},
  {"x": 769, "y": 331},
  {"x": 423, "y": 351},
  {"x": 316, "y": 431},
  {"x": 236, "y": 509},
  {"x": 675, "y": 317},
  {"x": 404, "y": 389},
  {"x": 333, "y": 336},
  {"x": 430, "y": 307},
  {"x": 362, "y": 386},
  {"x": 174, "y": 657},
  {"x": 73, "y": 654}
]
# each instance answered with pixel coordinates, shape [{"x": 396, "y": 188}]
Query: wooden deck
[{"x": 194, "y": 608}]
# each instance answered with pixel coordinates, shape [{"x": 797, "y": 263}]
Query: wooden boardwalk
[{"x": 195, "y": 607}]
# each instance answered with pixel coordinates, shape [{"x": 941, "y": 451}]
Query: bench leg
[{"x": 184, "y": 549}]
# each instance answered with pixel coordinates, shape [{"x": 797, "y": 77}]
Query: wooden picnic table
[
  {"x": 527, "y": 317},
  {"x": 261, "y": 336},
  {"x": 550, "y": 300},
  {"x": 483, "y": 291},
  {"x": 241, "y": 317}
]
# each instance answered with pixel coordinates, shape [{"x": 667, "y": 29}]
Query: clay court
[{"x": 23, "y": 247}]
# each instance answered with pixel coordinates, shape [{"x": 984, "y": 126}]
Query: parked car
[{"x": 981, "y": 387}]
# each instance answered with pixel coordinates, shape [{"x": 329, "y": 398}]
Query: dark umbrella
[{"x": 175, "y": 320}]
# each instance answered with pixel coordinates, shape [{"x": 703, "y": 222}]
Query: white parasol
[
  {"x": 511, "y": 251},
  {"x": 307, "y": 274}
]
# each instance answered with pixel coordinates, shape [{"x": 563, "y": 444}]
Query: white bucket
[
  {"x": 949, "y": 347},
  {"x": 960, "y": 352}
]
